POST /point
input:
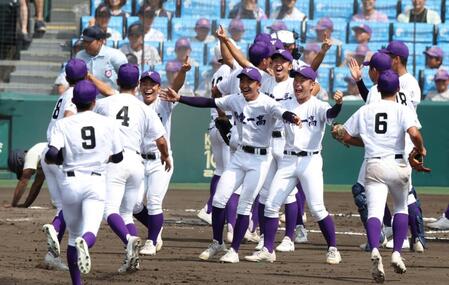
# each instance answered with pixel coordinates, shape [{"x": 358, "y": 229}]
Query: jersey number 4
[
  {"x": 123, "y": 115},
  {"x": 88, "y": 135},
  {"x": 380, "y": 126}
]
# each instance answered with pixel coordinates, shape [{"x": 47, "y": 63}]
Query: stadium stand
[
  {"x": 381, "y": 31},
  {"x": 426, "y": 80}
]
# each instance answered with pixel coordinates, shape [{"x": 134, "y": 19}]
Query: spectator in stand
[
  {"x": 362, "y": 33},
  {"x": 352, "y": 92},
  {"x": 146, "y": 15},
  {"x": 102, "y": 61},
  {"x": 39, "y": 24},
  {"x": 202, "y": 29},
  {"x": 158, "y": 7},
  {"x": 136, "y": 46},
  {"x": 247, "y": 9},
  {"x": 236, "y": 30},
  {"x": 288, "y": 11},
  {"x": 369, "y": 13},
  {"x": 324, "y": 27},
  {"x": 310, "y": 52},
  {"x": 116, "y": 7},
  {"x": 419, "y": 14},
  {"x": 277, "y": 26},
  {"x": 434, "y": 57},
  {"x": 441, "y": 83},
  {"x": 360, "y": 54},
  {"x": 183, "y": 50},
  {"x": 102, "y": 17}
]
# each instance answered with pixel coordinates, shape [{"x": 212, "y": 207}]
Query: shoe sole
[
  {"x": 134, "y": 256},
  {"x": 247, "y": 258},
  {"x": 202, "y": 218},
  {"x": 377, "y": 274},
  {"x": 397, "y": 268},
  {"x": 82, "y": 250},
  {"x": 52, "y": 240},
  {"x": 285, "y": 250}
]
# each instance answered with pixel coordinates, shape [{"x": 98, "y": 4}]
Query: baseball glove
[
  {"x": 417, "y": 162},
  {"x": 224, "y": 127},
  {"x": 338, "y": 132}
]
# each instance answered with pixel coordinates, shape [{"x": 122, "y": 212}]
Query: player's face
[
  {"x": 441, "y": 85},
  {"x": 249, "y": 88},
  {"x": 303, "y": 88},
  {"x": 433, "y": 62},
  {"x": 202, "y": 33},
  {"x": 149, "y": 90},
  {"x": 361, "y": 36},
  {"x": 93, "y": 47},
  {"x": 280, "y": 67},
  {"x": 289, "y": 3},
  {"x": 114, "y": 3}
]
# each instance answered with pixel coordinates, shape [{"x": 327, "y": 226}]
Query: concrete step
[
  {"x": 30, "y": 78},
  {"x": 66, "y": 4},
  {"x": 31, "y": 66},
  {"x": 62, "y": 14},
  {"x": 55, "y": 46},
  {"x": 44, "y": 89},
  {"x": 44, "y": 56}
]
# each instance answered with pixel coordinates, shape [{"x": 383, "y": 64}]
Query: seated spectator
[
  {"x": 116, "y": 7},
  {"x": 183, "y": 49},
  {"x": 360, "y": 54},
  {"x": 352, "y": 92},
  {"x": 362, "y": 33},
  {"x": 277, "y": 26},
  {"x": 288, "y": 11},
  {"x": 247, "y": 9},
  {"x": 419, "y": 14},
  {"x": 310, "y": 52},
  {"x": 369, "y": 13},
  {"x": 434, "y": 57},
  {"x": 172, "y": 68},
  {"x": 236, "y": 30},
  {"x": 202, "y": 29},
  {"x": 441, "y": 82},
  {"x": 158, "y": 7},
  {"x": 324, "y": 28},
  {"x": 102, "y": 18},
  {"x": 136, "y": 46},
  {"x": 146, "y": 15}
]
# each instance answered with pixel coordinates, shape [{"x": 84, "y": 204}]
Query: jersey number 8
[{"x": 88, "y": 135}]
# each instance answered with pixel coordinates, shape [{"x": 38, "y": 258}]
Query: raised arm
[
  {"x": 335, "y": 110},
  {"x": 325, "y": 46},
  {"x": 235, "y": 52},
  {"x": 104, "y": 88},
  {"x": 180, "y": 78},
  {"x": 356, "y": 73}
]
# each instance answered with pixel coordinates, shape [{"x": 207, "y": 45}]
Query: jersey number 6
[
  {"x": 380, "y": 126},
  {"x": 88, "y": 135}
]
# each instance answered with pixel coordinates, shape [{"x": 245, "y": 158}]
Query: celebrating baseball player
[
  {"x": 124, "y": 179},
  {"x": 381, "y": 127},
  {"x": 256, "y": 116},
  {"x": 83, "y": 144},
  {"x": 302, "y": 161}
]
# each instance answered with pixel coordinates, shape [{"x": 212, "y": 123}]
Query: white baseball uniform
[
  {"x": 135, "y": 120},
  {"x": 382, "y": 126},
  {"x": 302, "y": 159},
  {"x": 87, "y": 140}
]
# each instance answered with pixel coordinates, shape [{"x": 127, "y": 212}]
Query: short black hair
[
  {"x": 127, "y": 86},
  {"x": 403, "y": 60},
  {"x": 80, "y": 107}
]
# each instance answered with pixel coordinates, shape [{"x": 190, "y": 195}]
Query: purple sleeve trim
[
  {"x": 334, "y": 111},
  {"x": 200, "y": 102},
  {"x": 362, "y": 89}
]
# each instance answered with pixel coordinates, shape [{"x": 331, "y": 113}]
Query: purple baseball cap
[
  {"x": 362, "y": 50},
  {"x": 75, "y": 69},
  {"x": 262, "y": 37},
  {"x": 380, "y": 61},
  {"x": 396, "y": 48},
  {"x": 183, "y": 42},
  {"x": 252, "y": 73},
  {"x": 277, "y": 26},
  {"x": 128, "y": 75},
  {"x": 434, "y": 52},
  {"x": 324, "y": 24},
  {"x": 173, "y": 66},
  {"x": 153, "y": 75},
  {"x": 84, "y": 92},
  {"x": 283, "y": 53},
  {"x": 388, "y": 82},
  {"x": 441, "y": 74},
  {"x": 236, "y": 25},
  {"x": 259, "y": 51},
  {"x": 202, "y": 23},
  {"x": 363, "y": 27},
  {"x": 277, "y": 44},
  {"x": 312, "y": 47},
  {"x": 304, "y": 71}
]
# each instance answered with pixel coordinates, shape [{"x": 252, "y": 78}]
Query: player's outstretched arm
[
  {"x": 235, "y": 52},
  {"x": 180, "y": 78},
  {"x": 335, "y": 110},
  {"x": 21, "y": 187},
  {"x": 171, "y": 96},
  {"x": 325, "y": 46},
  {"x": 104, "y": 89},
  {"x": 291, "y": 118},
  {"x": 34, "y": 189},
  {"x": 162, "y": 146}
]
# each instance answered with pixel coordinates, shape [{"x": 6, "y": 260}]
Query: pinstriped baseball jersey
[
  {"x": 231, "y": 85},
  {"x": 221, "y": 74},
  {"x": 64, "y": 103}
]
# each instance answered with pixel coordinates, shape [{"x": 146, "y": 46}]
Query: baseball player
[
  {"x": 124, "y": 179},
  {"x": 256, "y": 115},
  {"x": 83, "y": 143},
  {"x": 381, "y": 127},
  {"x": 442, "y": 223},
  {"x": 302, "y": 161}
]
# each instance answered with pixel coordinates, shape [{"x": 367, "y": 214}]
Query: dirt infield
[{"x": 23, "y": 248}]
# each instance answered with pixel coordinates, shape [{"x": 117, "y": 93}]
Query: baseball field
[{"x": 185, "y": 236}]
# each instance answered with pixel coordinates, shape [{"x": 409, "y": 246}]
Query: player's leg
[
  {"x": 231, "y": 215},
  {"x": 140, "y": 211},
  {"x": 251, "y": 234},
  {"x": 291, "y": 213},
  {"x": 442, "y": 223},
  {"x": 301, "y": 231},
  {"x": 416, "y": 222}
]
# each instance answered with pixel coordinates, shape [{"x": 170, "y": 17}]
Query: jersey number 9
[{"x": 88, "y": 135}]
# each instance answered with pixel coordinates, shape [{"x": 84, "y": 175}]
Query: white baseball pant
[{"x": 220, "y": 151}]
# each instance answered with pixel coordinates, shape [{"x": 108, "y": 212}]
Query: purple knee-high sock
[
  {"x": 373, "y": 228},
  {"x": 231, "y": 209},
  {"x": 90, "y": 239},
  {"x": 291, "y": 213},
  {"x": 300, "y": 200},
  {"x": 132, "y": 229},
  {"x": 155, "y": 223},
  {"x": 261, "y": 210},
  {"x": 399, "y": 231},
  {"x": 118, "y": 226},
  {"x": 72, "y": 257},
  {"x": 327, "y": 227},
  {"x": 142, "y": 216},
  {"x": 271, "y": 227},
  {"x": 218, "y": 221},
  {"x": 446, "y": 214},
  {"x": 413, "y": 213},
  {"x": 387, "y": 216},
  {"x": 212, "y": 189},
  {"x": 241, "y": 225},
  {"x": 59, "y": 225},
  {"x": 255, "y": 219}
]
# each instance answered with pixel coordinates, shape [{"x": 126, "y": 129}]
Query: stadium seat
[
  {"x": 324, "y": 77},
  {"x": 198, "y": 52},
  {"x": 426, "y": 80},
  {"x": 340, "y": 29},
  {"x": 249, "y": 24},
  {"x": 201, "y": 8},
  {"x": 302, "y": 5},
  {"x": 156, "y": 45},
  {"x": 417, "y": 55},
  {"x": 128, "y": 7},
  {"x": 347, "y": 49},
  {"x": 443, "y": 33},
  {"x": 381, "y": 31},
  {"x": 159, "y": 23},
  {"x": 334, "y": 9},
  {"x": 184, "y": 27},
  {"x": 425, "y": 33},
  {"x": 291, "y": 25},
  {"x": 445, "y": 48},
  {"x": 388, "y": 7},
  {"x": 116, "y": 23}
]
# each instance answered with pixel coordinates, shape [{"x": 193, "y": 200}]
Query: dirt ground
[{"x": 185, "y": 237}]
